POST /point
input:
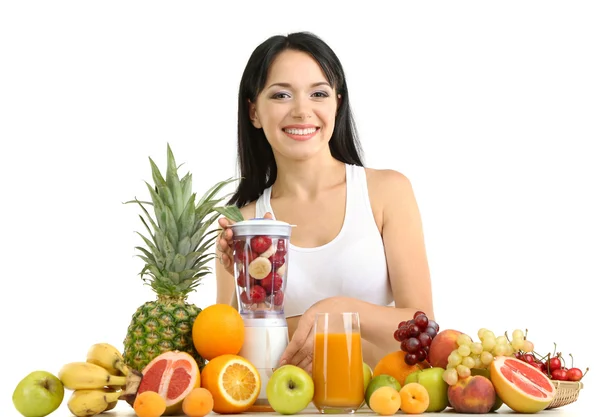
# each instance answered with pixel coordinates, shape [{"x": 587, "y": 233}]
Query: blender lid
[{"x": 261, "y": 226}]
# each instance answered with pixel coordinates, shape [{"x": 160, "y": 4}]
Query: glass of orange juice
[{"x": 337, "y": 368}]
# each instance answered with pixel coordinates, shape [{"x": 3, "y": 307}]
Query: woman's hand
[
  {"x": 299, "y": 351},
  {"x": 225, "y": 243}
]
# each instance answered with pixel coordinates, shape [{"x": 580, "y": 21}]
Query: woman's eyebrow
[{"x": 288, "y": 85}]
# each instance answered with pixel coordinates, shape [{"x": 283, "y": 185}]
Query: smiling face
[{"x": 297, "y": 107}]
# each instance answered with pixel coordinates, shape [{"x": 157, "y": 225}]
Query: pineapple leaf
[
  {"x": 215, "y": 189},
  {"x": 174, "y": 184},
  {"x": 157, "y": 202},
  {"x": 157, "y": 177},
  {"x": 145, "y": 259},
  {"x": 231, "y": 212},
  {"x": 169, "y": 252},
  {"x": 204, "y": 209},
  {"x": 201, "y": 233},
  {"x": 187, "y": 219},
  {"x": 179, "y": 262},
  {"x": 148, "y": 242},
  {"x": 149, "y": 256},
  {"x": 187, "y": 274},
  {"x": 186, "y": 186},
  {"x": 174, "y": 277},
  {"x": 172, "y": 232},
  {"x": 167, "y": 196},
  {"x": 184, "y": 245}
]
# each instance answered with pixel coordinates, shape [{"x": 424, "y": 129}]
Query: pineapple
[{"x": 176, "y": 257}]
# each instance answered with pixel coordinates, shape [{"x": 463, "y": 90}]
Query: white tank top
[{"x": 353, "y": 264}]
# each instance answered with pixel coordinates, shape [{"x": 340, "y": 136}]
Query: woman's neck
[{"x": 307, "y": 179}]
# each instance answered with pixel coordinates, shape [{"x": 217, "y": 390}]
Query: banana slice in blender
[
  {"x": 269, "y": 252},
  {"x": 281, "y": 270},
  {"x": 259, "y": 268}
]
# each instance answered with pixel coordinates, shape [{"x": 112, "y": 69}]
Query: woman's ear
[{"x": 253, "y": 115}]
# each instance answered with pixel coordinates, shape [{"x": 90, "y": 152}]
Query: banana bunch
[{"x": 99, "y": 382}]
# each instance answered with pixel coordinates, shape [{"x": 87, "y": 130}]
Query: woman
[{"x": 358, "y": 244}]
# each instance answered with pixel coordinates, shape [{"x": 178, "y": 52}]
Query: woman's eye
[
  {"x": 321, "y": 94},
  {"x": 280, "y": 95}
]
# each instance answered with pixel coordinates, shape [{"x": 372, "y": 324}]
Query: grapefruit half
[
  {"x": 173, "y": 375},
  {"x": 522, "y": 387}
]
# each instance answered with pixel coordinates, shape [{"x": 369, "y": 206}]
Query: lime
[{"x": 381, "y": 381}]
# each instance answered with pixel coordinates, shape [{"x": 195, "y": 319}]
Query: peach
[
  {"x": 441, "y": 347},
  {"x": 414, "y": 398},
  {"x": 472, "y": 395}
]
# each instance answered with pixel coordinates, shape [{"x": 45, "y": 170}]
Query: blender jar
[{"x": 260, "y": 254}]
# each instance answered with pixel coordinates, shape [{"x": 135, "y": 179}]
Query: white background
[{"x": 491, "y": 109}]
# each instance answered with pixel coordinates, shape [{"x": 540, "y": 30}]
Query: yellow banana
[
  {"x": 89, "y": 402},
  {"x": 85, "y": 375},
  {"x": 108, "y": 357},
  {"x": 111, "y": 404}
]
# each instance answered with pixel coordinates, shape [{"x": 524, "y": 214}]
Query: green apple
[
  {"x": 38, "y": 394},
  {"x": 290, "y": 389},
  {"x": 437, "y": 388},
  {"x": 367, "y": 375}
]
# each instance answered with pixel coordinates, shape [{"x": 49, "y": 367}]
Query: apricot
[
  {"x": 385, "y": 401},
  {"x": 149, "y": 404},
  {"x": 414, "y": 398},
  {"x": 198, "y": 403}
]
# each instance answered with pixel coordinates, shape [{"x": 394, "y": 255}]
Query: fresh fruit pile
[
  {"x": 259, "y": 264},
  {"x": 415, "y": 336},
  {"x": 470, "y": 354}
]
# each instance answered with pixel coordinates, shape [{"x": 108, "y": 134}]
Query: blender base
[{"x": 265, "y": 340}]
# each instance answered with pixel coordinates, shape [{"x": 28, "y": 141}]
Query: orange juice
[{"x": 338, "y": 371}]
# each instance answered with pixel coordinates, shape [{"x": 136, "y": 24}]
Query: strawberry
[
  {"x": 272, "y": 283},
  {"x": 241, "y": 279},
  {"x": 260, "y": 244},
  {"x": 277, "y": 259},
  {"x": 278, "y": 298},
  {"x": 245, "y": 298},
  {"x": 281, "y": 246},
  {"x": 257, "y": 294},
  {"x": 247, "y": 256}
]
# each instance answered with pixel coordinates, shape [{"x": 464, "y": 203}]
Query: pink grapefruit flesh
[{"x": 521, "y": 386}]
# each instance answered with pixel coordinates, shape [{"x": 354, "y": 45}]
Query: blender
[{"x": 260, "y": 254}]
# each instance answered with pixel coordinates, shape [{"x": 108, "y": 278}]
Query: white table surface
[{"x": 575, "y": 409}]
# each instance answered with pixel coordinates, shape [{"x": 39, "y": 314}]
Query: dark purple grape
[
  {"x": 414, "y": 331},
  {"x": 421, "y": 355},
  {"x": 426, "y": 349},
  {"x": 417, "y": 314},
  {"x": 404, "y": 345},
  {"x": 433, "y": 324},
  {"x": 410, "y": 359},
  {"x": 402, "y": 323},
  {"x": 412, "y": 345},
  {"x": 421, "y": 321},
  {"x": 397, "y": 335},
  {"x": 431, "y": 332},
  {"x": 424, "y": 339},
  {"x": 403, "y": 333}
]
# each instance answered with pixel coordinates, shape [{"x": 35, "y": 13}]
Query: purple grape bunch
[{"x": 415, "y": 337}]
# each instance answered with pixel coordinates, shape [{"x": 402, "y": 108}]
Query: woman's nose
[{"x": 301, "y": 109}]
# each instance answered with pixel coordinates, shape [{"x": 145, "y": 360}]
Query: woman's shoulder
[
  {"x": 249, "y": 210},
  {"x": 385, "y": 181}
]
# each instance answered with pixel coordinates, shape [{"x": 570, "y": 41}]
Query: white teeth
[
  {"x": 259, "y": 268},
  {"x": 308, "y": 131},
  {"x": 269, "y": 252}
]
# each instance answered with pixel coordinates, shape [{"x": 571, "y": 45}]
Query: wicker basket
[{"x": 566, "y": 393}]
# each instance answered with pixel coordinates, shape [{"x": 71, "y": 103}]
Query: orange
[
  {"x": 173, "y": 375},
  {"x": 393, "y": 364},
  {"x": 218, "y": 330},
  {"x": 233, "y": 382}
]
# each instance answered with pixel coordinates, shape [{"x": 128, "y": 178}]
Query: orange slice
[
  {"x": 233, "y": 382},
  {"x": 173, "y": 375}
]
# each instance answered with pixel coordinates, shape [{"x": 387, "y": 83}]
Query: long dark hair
[{"x": 256, "y": 161}]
